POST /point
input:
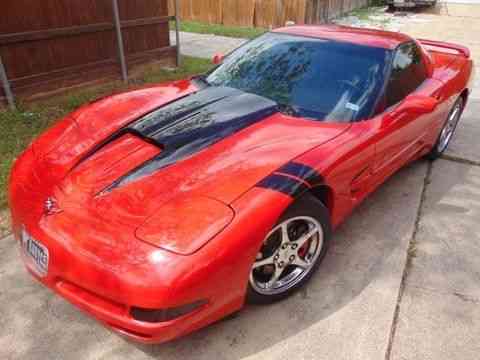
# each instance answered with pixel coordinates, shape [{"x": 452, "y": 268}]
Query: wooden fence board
[
  {"x": 41, "y": 41},
  {"x": 185, "y": 7},
  {"x": 238, "y": 13},
  {"x": 27, "y": 15},
  {"x": 293, "y": 10},
  {"x": 263, "y": 13},
  {"x": 139, "y": 9},
  {"x": 208, "y": 11}
]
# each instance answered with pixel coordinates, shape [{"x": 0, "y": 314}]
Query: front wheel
[
  {"x": 291, "y": 252},
  {"x": 448, "y": 130}
]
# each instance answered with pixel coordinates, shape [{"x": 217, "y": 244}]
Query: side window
[{"x": 408, "y": 72}]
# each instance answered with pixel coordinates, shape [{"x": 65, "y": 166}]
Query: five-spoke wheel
[
  {"x": 287, "y": 254},
  {"x": 291, "y": 251},
  {"x": 448, "y": 129}
]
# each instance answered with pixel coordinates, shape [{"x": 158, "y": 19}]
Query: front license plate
[{"x": 36, "y": 253}]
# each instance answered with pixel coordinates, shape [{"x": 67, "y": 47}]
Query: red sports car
[{"x": 161, "y": 210}]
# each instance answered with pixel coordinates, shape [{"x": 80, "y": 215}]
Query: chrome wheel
[
  {"x": 449, "y": 127},
  {"x": 288, "y": 254}
]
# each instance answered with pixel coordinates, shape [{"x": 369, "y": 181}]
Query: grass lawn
[
  {"x": 18, "y": 128},
  {"x": 230, "y": 31},
  {"x": 365, "y": 13}
]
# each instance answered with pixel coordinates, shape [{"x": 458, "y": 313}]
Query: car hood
[{"x": 187, "y": 158}]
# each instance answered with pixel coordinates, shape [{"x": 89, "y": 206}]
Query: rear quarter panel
[
  {"x": 454, "y": 71},
  {"x": 452, "y": 74}
]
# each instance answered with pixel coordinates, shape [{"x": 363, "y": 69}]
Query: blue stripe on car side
[
  {"x": 303, "y": 172},
  {"x": 284, "y": 184}
]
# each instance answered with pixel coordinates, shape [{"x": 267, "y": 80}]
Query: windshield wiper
[
  {"x": 290, "y": 110},
  {"x": 202, "y": 79}
]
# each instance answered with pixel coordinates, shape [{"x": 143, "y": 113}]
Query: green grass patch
[
  {"x": 18, "y": 128},
  {"x": 190, "y": 66},
  {"x": 363, "y": 13},
  {"x": 221, "y": 30},
  {"x": 372, "y": 15}
]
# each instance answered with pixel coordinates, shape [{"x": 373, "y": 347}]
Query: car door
[{"x": 401, "y": 133}]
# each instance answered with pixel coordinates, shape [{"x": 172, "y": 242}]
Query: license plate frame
[{"x": 36, "y": 253}]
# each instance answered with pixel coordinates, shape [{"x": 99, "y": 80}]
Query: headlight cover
[{"x": 184, "y": 225}]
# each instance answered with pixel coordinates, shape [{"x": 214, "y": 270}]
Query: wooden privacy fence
[
  {"x": 50, "y": 43},
  {"x": 263, "y": 13}
]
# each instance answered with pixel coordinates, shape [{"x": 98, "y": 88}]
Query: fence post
[
  {"x": 177, "y": 32},
  {"x": 6, "y": 86},
  {"x": 121, "y": 50}
]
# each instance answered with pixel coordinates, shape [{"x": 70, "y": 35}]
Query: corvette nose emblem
[{"x": 50, "y": 206}]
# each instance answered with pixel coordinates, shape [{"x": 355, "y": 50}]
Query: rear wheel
[
  {"x": 448, "y": 130},
  {"x": 291, "y": 252}
]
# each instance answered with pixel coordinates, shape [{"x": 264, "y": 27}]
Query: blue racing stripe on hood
[{"x": 190, "y": 124}]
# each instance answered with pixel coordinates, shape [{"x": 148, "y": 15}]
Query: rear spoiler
[{"x": 445, "y": 45}]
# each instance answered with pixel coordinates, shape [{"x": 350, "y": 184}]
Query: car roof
[{"x": 370, "y": 37}]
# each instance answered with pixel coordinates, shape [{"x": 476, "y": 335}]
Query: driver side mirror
[
  {"x": 418, "y": 104},
  {"x": 217, "y": 59}
]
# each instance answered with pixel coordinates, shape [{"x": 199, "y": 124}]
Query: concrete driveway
[{"x": 402, "y": 280}]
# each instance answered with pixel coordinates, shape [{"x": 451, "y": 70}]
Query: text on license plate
[{"x": 36, "y": 252}]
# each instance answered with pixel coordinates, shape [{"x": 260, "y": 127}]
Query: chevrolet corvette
[{"x": 161, "y": 210}]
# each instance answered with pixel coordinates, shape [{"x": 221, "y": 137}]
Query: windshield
[{"x": 314, "y": 78}]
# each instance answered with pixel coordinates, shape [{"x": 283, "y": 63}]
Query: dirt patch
[
  {"x": 4, "y": 223},
  {"x": 457, "y": 23},
  {"x": 378, "y": 18}
]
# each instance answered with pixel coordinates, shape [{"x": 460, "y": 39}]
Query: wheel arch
[
  {"x": 325, "y": 195},
  {"x": 296, "y": 179},
  {"x": 464, "y": 95}
]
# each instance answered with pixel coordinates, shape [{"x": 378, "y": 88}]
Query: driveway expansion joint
[
  {"x": 460, "y": 160},
  {"x": 460, "y": 295},
  {"x": 466, "y": 298},
  {"x": 6, "y": 235},
  {"x": 408, "y": 264}
]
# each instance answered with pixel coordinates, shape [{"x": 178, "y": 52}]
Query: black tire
[
  {"x": 437, "y": 151},
  {"x": 305, "y": 206}
]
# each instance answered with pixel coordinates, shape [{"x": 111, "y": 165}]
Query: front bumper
[
  {"x": 115, "y": 313},
  {"x": 105, "y": 271}
]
